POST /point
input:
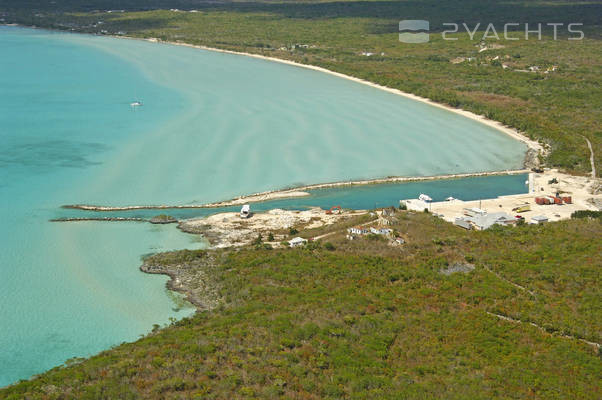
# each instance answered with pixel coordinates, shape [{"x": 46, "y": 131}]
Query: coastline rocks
[
  {"x": 228, "y": 229},
  {"x": 192, "y": 273},
  {"x": 532, "y": 160}
]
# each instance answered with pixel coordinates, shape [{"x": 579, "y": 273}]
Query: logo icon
[{"x": 413, "y": 31}]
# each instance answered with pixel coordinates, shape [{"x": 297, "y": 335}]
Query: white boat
[
  {"x": 425, "y": 197},
  {"x": 136, "y": 104},
  {"x": 450, "y": 198},
  {"x": 245, "y": 211}
]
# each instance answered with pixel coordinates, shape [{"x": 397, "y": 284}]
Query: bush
[
  {"x": 292, "y": 231},
  {"x": 329, "y": 246},
  {"x": 587, "y": 214}
]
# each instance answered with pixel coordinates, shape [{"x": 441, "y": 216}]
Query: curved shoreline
[
  {"x": 531, "y": 144},
  {"x": 534, "y": 148},
  {"x": 292, "y": 193}
]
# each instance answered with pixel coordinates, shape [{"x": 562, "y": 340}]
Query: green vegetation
[
  {"x": 364, "y": 319},
  {"x": 557, "y": 106},
  {"x": 504, "y": 313},
  {"x": 587, "y": 214}
]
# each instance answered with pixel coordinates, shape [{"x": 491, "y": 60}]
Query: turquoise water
[
  {"x": 353, "y": 197},
  {"x": 213, "y": 126}
]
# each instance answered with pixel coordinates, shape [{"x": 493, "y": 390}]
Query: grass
[
  {"x": 364, "y": 319},
  {"x": 555, "y": 108}
]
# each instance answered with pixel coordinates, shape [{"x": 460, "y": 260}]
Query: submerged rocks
[{"x": 163, "y": 219}]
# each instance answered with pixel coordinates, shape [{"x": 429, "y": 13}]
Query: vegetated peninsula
[
  {"x": 383, "y": 303},
  {"x": 443, "y": 313}
]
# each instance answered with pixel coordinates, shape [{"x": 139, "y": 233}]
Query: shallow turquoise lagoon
[
  {"x": 213, "y": 126},
  {"x": 353, "y": 197}
]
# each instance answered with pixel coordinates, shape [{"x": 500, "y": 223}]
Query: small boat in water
[
  {"x": 425, "y": 197},
  {"x": 136, "y": 104}
]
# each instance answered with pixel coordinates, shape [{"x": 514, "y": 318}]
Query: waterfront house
[
  {"x": 538, "y": 219},
  {"x": 474, "y": 211}
]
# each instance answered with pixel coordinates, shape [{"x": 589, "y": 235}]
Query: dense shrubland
[{"x": 364, "y": 319}]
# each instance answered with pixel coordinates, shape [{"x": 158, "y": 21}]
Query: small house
[
  {"x": 382, "y": 231},
  {"x": 463, "y": 223},
  {"x": 539, "y": 219},
  {"x": 296, "y": 242},
  {"x": 358, "y": 231},
  {"x": 474, "y": 211}
]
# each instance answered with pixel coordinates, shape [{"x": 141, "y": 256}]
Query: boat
[
  {"x": 425, "y": 197},
  {"x": 136, "y": 104},
  {"x": 450, "y": 198},
  {"x": 245, "y": 211}
]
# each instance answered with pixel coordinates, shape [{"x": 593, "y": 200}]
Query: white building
[
  {"x": 358, "y": 231},
  {"x": 538, "y": 219},
  {"x": 463, "y": 223},
  {"x": 484, "y": 221},
  {"x": 474, "y": 211},
  {"x": 382, "y": 231},
  {"x": 296, "y": 242}
]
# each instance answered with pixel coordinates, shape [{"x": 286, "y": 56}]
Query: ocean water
[{"x": 213, "y": 126}]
